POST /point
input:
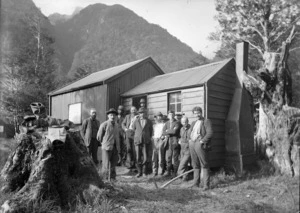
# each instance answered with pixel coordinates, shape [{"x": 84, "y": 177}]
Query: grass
[{"x": 259, "y": 189}]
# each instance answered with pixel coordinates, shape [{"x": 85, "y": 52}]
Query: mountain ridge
[{"x": 101, "y": 36}]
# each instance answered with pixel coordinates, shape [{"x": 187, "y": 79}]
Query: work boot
[
  {"x": 184, "y": 178},
  {"x": 206, "y": 179},
  {"x": 196, "y": 180},
  {"x": 155, "y": 172},
  {"x": 168, "y": 174},
  {"x": 139, "y": 170}
]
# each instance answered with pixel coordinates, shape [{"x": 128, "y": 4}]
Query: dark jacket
[
  {"x": 184, "y": 134},
  {"x": 142, "y": 135},
  {"x": 172, "y": 131},
  {"x": 126, "y": 122},
  {"x": 86, "y": 130},
  {"x": 125, "y": 125},
  {"x": 205, "y": 131}
]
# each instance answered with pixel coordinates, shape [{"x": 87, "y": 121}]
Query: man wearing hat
[
  {"x": 200, "y": 135},
  {"x": 120, "y": 119},
  {"x": 178, "y": 116},
  {"x": 158, "y": 157},
  {"x": 108, "y": 135},
  {"x": 88, "y": 132},
  {"x": 129, "y": 134},
  {"x": 142, "y": 103},
  {"x": 143, "y": 130},
  {"x": 172, "y": 132}
]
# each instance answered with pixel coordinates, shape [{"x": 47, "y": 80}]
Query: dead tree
[{"x": 42, "y": 170}]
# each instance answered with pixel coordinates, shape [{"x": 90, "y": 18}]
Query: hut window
[
  {"x": 174, "y": 101},
  {"x": 75, "y": 113}
]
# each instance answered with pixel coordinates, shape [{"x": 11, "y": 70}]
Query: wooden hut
[
  {"x": 212, "y": 87},
  {"x": 100, "y": 90}
]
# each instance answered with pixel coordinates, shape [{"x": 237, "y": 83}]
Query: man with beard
[
  {"x": 120, "y": 119},
  {"x": 88, "y": 132},
  {"x": 129, "y": 134}
]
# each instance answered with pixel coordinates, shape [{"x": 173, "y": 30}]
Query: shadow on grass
[
  {"x": 260, "y": 169},
  {"x": 178, "y": 195}
]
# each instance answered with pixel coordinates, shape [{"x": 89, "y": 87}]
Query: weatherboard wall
[
  {"x": 220, "y": 90},
  {"x": 129, "y": 80},
  {"x": 158, "y": 102},
  {"x": 94, "y": 97}
]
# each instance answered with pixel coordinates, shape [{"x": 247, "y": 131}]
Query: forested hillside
[
  {"x": 28, "y": 62},
  {"x": 101, "y": 36}
]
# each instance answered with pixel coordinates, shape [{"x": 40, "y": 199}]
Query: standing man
[
  {"x": 158, "y": 157},
  {"x": 129, "y": 135},
  {"x": 200, "y": 136},
  {"x": 108, "y": 135},
  {"x": 185, "y": 156},
  {"x": 120, "y": 119},
  {"x": 178, "y": 116},
  {"x": 88, "y": 132},
  {"x": 172, "y": 132},
  {"x": 142, "y": 104},
  {"x": 143, "y": 130}
]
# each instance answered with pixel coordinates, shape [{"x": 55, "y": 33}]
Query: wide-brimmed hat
[
  {"x": 111, "y": 110},
  {"x": 142, "y": 100},
  {"x": 142, "y": 110},
  {"x": 165, "y": 118},
  {"x": 158, "y": 114},
  {"x": 179, "y": 114}
]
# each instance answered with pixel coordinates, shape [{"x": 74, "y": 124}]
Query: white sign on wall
[
  {"x": 75, "y": 113},
  {"x": 1, "y": 128}
]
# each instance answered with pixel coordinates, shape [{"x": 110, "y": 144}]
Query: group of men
[{"x": 171, "y": 144}]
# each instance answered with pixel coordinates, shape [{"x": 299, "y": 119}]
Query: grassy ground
[
  {"x": 255, "y": 192},
  {"x": 258, "y": 190}
]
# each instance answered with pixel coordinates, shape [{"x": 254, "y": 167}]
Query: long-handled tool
[{"x": 170, "y": 181}]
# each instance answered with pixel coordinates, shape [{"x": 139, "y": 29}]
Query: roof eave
[
  {"x": 76, "y": 89},
  {"x": 132, "y": 67},
  {"x": 165, "y": 90}
]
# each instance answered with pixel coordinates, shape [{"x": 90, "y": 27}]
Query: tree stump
[{"x": 48, "y": 171}]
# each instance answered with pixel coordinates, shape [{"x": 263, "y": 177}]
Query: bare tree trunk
[{"x": 272, "y": 137}]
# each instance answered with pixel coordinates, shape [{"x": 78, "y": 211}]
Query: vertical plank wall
[
  {"x": 91, "y": 97},
  {"x": 220, "y": 90},
  {"x": 129, "y": 80}
]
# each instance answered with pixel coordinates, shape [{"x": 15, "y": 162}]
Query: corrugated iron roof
[
  {"x": 97, "y": 77},
  {"x": 180, "y": 79}
]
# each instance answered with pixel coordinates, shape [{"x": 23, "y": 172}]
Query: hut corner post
[{"x": 239, "y": 125}]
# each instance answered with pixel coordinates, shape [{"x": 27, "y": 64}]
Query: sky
[{"x": 190, "y": 21}]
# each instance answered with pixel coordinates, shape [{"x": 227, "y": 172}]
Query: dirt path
[{"x": 265, "y": 194}]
